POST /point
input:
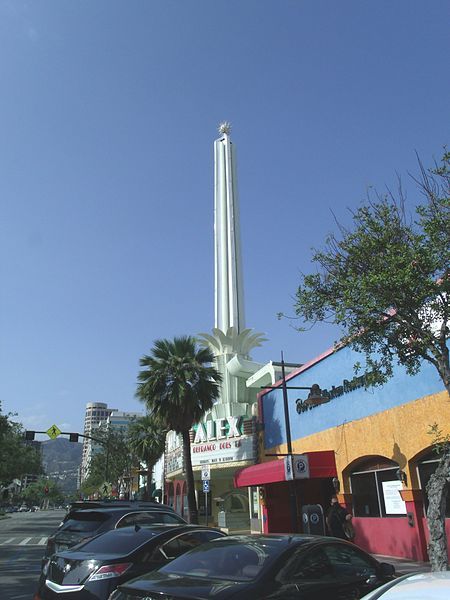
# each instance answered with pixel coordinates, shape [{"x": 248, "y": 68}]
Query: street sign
[
  {"x": 300, "y": 464},
  {"x": 206, "y": 485},
  {"x": 206, "y": 472},
  {"x": 53, "y": 432},
  {"x": 105, "y": 489}
]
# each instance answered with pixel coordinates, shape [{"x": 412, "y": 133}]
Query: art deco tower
[
  {"x": 230, "y": 341},
  {"x": 228, "y": 280}
]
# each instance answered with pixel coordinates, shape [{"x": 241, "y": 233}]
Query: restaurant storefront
[{"x": 379, "y": 439}]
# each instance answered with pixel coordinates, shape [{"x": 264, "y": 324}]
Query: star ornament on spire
[{"x": 225, "y": 127}]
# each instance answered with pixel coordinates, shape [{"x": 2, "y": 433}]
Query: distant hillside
[{"x": 61, "y": 460}]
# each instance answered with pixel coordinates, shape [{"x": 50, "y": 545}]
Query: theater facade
[{"x": 225, "y": 444}]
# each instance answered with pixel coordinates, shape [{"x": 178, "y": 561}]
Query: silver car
[{"x": 415, "y": 586}]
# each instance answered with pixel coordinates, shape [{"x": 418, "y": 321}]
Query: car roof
[
  {"x": 120, "y": 509},
  {"x": 286, "y": 539},
  {"x": 153, "y": 530},
  {"x": 415, "y": 586},
  {"x": 84, "y": 504},
  {"x": 111, "y": 511}
]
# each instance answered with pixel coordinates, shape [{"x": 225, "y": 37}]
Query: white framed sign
[
  {"x": 393, "y": 502},
  {"x": 220, "y": 451},
  {"x": 206, "y": 473}
]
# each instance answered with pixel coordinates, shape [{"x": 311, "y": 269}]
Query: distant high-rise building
[
  {"x": 119, "y": 420},
  {"x": 96, "y": 413}
]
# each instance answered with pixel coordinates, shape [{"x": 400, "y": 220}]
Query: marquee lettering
[{"x": 218, "y": 429}]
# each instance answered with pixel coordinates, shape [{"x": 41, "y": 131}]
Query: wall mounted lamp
[{"x": 401, "y": 476}]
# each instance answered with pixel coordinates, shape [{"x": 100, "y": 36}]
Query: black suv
[{"x": 87, "y": 519}]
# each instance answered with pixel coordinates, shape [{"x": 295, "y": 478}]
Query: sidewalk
[{"x": 404, "y": 565}]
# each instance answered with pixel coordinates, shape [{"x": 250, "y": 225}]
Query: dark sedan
[
  {"x": 264, "y": 567},
  {"x": 87, "y": 519},
  {"x": 92, "y": 570}
]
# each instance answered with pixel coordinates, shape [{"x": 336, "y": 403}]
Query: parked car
[
  {"x": 415, "y": 586},
  {"x": 273, "y": 567},
  {"x": 87, "y": 519},
  {"x": 93, "y": 569}
]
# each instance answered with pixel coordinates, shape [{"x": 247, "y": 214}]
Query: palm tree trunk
[
  {"x": 148, "y": 486},
  {"x": 192, "y": 503}
]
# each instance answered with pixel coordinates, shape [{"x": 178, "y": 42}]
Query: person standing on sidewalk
[{"x": 339, "y": 520}]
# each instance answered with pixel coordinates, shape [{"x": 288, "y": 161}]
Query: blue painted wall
[{"x": 353, "y": 405}]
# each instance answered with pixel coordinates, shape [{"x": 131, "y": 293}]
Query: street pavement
[{"x": 22, "y": 541}]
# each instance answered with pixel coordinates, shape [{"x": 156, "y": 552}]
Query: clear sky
[{"x": 108, "y": 113}]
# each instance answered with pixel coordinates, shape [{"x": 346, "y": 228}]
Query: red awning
[{"x": 321, "y": 464}]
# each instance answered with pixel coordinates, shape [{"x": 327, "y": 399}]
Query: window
[
  {"x": 372, "y": 497},
  {"x": 347, "y": 562},
  {"x": 149, "y": 518},
  {"x": 84, "y": 521},
  {"x": 365, "y": 499},
  {"x": 183, "y": 543},
  {"x": 313, "y": 566},
  {"x": 120, "y": 541}
]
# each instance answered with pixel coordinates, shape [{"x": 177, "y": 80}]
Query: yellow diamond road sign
[{"x": 53, "y": 432}]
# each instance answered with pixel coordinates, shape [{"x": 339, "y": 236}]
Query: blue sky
[{"x": 108, "y": 113}]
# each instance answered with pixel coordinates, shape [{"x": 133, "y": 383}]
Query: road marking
[
  {"x": 24, "y": 542},
  {"x": 29, "y": 541}
]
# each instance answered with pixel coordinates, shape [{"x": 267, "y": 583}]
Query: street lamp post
[{"x": 314, "y": 389}]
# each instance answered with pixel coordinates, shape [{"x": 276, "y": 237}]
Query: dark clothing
[{"x": 336, "y": 518}]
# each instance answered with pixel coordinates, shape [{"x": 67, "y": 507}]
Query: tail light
[
  {"x": 45, "y": 566},
  {"x": 108, "y": 571}
]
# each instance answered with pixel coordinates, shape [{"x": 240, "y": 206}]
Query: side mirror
[{"x": 387, "y": 570}]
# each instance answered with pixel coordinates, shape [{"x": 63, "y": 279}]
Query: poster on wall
[{"x": 392, "y": 499}]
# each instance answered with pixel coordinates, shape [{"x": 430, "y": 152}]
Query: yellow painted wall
[{"x": 400, "y": 433}]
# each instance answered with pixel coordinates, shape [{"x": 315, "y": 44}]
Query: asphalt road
[{"x": 22, "y": 542}]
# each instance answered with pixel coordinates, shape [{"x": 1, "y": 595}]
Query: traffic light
[
  {"x": 46, "y": 489},
  {"x": 73, "y": 437},
  {"x": 29, "y": 435}
]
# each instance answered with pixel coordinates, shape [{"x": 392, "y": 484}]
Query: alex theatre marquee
[
  {"x": 227, "y": 440},
  {"x": 222, "y": 441}
]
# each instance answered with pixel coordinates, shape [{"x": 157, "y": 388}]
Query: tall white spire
[{"x": 228, "y": 280}]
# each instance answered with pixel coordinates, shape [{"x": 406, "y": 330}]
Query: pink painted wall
[{"x": 389, "y": 536}]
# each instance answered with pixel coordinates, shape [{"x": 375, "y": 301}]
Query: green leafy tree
[
  {"x": 42, "y": 492},
  {"x": 17, "y": 458},
  {"x": 386, "y": 282},
  {"x": 178, "y": 385},
  {"x": 111, "y": 462},
  {"x": 147, "y": 440}
]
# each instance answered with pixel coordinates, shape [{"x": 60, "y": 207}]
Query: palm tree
[
  {"x": 179, "y": 384},
  {"x": 147, "y": 440}
]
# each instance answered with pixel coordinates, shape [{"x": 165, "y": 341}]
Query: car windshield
[
  {"x": 118, "y": 541},
  {"x": 84, "y": 521},
  {"x": 226, "y": 559}
]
